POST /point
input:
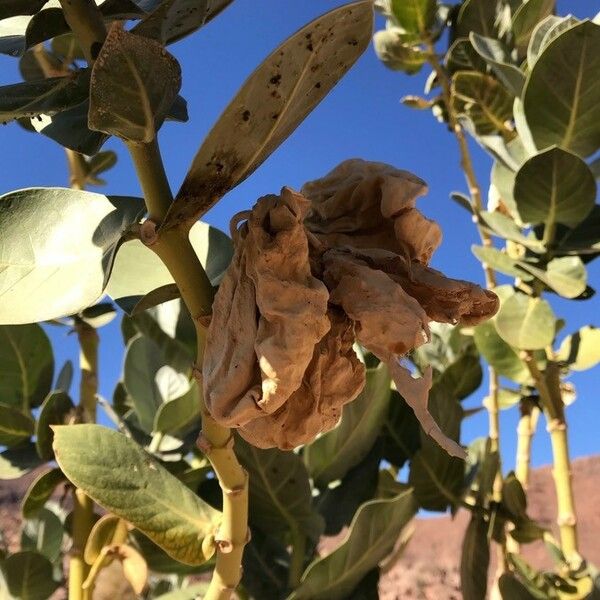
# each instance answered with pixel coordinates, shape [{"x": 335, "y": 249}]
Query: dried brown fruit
[
  {"x": 269, "y": 284},
  {"x": 371, "y": 205},
  {"x": 334, "y": 377}
]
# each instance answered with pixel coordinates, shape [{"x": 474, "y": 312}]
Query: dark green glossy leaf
[
  {"x": 475, "y": 560},
  {"x": 57, "y": 409},
  {"x": 44, "y": 533},
  {"x": 554, "y": 186},
  {"x": 39, "y": 492},
  {"x": 280, "y": 493},
  {"x": 371, "y": 537},
  {"x": 12, "y": 8},
  {"x": 331, "y": 455},
  {"x": 565, "y": 110},
  {"x": 27, "y": 363},
  {"x": 512, "y": 589},
  {"x": 16, "y": 426},
  {"x": 171, "y": 20},
  {"x": 19, "y": 460},
  {"x": 478, "y": 16},
  {"x": 38, "y": 268},
  {"x": 461, "y": 56},
  {"x": 271, "y": 104},
  {"x": 28, "y": 576},
  {"x": 526, "y": 323},
  {"x": 140, "y": 490},
  {"x": 134, "y": 84}
]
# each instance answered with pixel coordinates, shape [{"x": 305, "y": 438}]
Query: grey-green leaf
[
  {"x": 545, "y": 31},
  {"x": 19, "y": 460},
  {"x": 397, "y": 55},
  {"x": 565, "y": 110},
  {"x": 581, "y": 350},
  {"x": 27, "y": 363},
  {"x": 191, "y": 592},
  {"x": 179, "y": 414},
  {"x": 566, "y": 275},
  {"x": 137, "y": 270},
  {"x": 373, "y": 533},
  {"x": 333, "y": 454},
  {"x": 44, "y": 532},
  {"x": 280, "y": 493},
  {"x": 28, "y": 576},
  {"x": 500, "y": 261},
  {"x": 475, "y": 559},
  {"x": 15, "y": 426},
  {"x": 554, "y": 186},
  {"x": 49, "y": 273},
  {"x": 140, "y": 490},
  {"x": 415, "y": 16},
  {"x": 275, "y": 99},
  {"x": 475, "y": 15},
  {"x": 40, "y": 490},
  {"x": 526, "y": 323},
  {"x": 57, "y": 409},
  {"x": 134, "y": 84}
]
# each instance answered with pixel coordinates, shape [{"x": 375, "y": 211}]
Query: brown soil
[{"x": 429, "y": 566}]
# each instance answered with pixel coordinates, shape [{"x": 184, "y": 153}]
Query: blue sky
[{"x": 362, "y": 117}]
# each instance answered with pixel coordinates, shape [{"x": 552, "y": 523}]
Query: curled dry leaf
[{"x": 345, "y": 260}]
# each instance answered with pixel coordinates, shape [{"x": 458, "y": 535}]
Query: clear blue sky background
[{"x": 362, "y": 117}]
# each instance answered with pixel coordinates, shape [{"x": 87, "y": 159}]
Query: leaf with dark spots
[{"x": 257, "y": 120}]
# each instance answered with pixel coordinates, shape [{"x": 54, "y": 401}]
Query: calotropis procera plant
[
  {"x": 522, "y": 81},
  {"x": 172, "y": 492}
]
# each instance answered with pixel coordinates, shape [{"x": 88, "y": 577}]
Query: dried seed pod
[
  {"x": 269, "y": 284},
  {"x": 334, "y": 377},
  {"x": 371, "y": 205}
]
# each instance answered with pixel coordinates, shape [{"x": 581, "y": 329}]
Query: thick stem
[
  {"x": 77, "y": 171},
  {"x": 86, "y": 22},
  {"x": 88, "y": 362},
  {"x": 83, "y": 512},
  {"x": 525, "y": 432},
  {"x": 551, "y": 399}
]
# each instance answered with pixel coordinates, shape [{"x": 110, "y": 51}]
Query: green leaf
[
  {"x": 70, "y": 129},
  {"x": 27, "y": 363},
  {"x": 43, "y": 533},
  {"x": 475, "y": 559},
  {"x": 497, "y": 56},
  {"x": 500, "y": 261},
  {"x": 152, "y": 377},
  {"x": 545, "y": 31},
  {"x": 57, "y": 409},
  {"x": 513, "y": 497},
  {"x": 191, "y": 592},
  {"x": 583, "y": 239},
  {"x": 171, "y": 20},
  {"x": 67, "y": 48},
  {"x": 435, "y": 476},
  {"x": 28, "y": 576},
  {"x": 565, "y": 111},
  {"x": 462, "y": 56},
  {"x": 139, "y": 491},
  {"x": 271, "y": 104},
  {"x": 30, "y": 68},
  {"x": 566, "y": 276},
  {"x": 333, "y": 454},
  {"x": 483, "y": 100},
  {"x": 512, "y": 589},
  {"x": 415, "y": 16},
  {"x": 101, "y": 162},
  {"x": 39, "y": 492},
  {"x": 526, "y": 323},
  {"x": 397, "y": 55},
  {"x": 499, "y": 354},
  {"x": 64, "y": 379},
  {"x": 12, "y": 8},
  {"x": 402, "y": 432},
  {"x": 526, "y": 17},
  {"x": 18, "y": 460},
  {"x": 554, "y": 186},
  {"x": 36, "y": 269},
  {"x": 280, "y": 493},
  {"x": 15, "y": 426},
  {"x": 478, "y": 16},
  {"x": 107, "y": 530},
  {"x": 178, "y": 415},
  {"x": 134, "y": 83},
  {"x": 581, "y": 350},
  {"x": 48, "y": 96},
  {"x": 138, "y": 270},
  {"x": 506, "y": 228},
  {"x": 462, "y": 377},
  {"x": 372, "y": 535},
  {"x": 98, "y": 315}
]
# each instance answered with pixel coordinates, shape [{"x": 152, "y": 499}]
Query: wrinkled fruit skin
[{"x": 345, "y": 260}]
